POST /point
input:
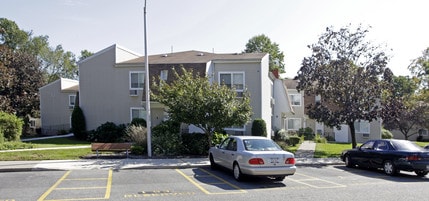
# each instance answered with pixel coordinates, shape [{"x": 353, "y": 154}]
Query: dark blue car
[{"x": 390, "y": 155}]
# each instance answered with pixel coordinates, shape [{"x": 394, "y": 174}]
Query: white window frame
[
  {"x": 72, "y": 104},
  {"x": 293, "y": 129},
  {"x": 231, "y": 73},
  {"x": 164, "y": 75},
  {"x": 293, "y": 97},
  {"x": 362, "y": 126},
  {"x": 138, "y": 83},
  {"x": 140, "y": 109},
  {"x": 236, "y": 128}
]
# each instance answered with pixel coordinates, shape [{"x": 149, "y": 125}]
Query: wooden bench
[{"x": 111, "y": 147}]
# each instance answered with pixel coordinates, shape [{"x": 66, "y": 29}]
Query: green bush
[
  {"x": 281, "y": 135},
  {"x": 137, "y": 150},
  {"x": 319, "y": 139},
  {"x": 307, "y": 133},
  {"x": 78, "y": 124},
  {"x": 166, "y": 138},
  {"x": 139, "y": 122},
  {"x": 194, "y": 144},
  {"x": 293, "y": 140},
  {"x": 259, "y": 128},
  {"x": 108, "y": 132},
  {"x": 386, "y": 134},
  {"x": 218, "y": 138},
  {"x": 10, "y": 127},
  {"x": 137, "y": 135}
]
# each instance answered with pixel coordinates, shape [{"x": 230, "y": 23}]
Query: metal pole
[{"x": 147, "y": 89}]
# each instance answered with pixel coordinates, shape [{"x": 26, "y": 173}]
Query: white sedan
[{"x": 252, "y": 155}]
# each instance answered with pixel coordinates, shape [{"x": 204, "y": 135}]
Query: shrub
[
  {"x": 166, "y": 138},
  {"x": 259, "y": 127},
  {"x": 281, "y": 135},
  {"x": 137, "y": 135},
  {"x": 79, "y": 124},
  {"x": 139, "y": 122},
  {"x": 10, "y": 127},
  {"x": 307, "y": 133},
  {"x": 137, "y": 150},
  {"x": 293, "y": 140},
  {"x": 319, "y": 139},
  {"x": 107, "y": 132},
  {"x": 195, "y": 144},
  {"x": 218, "y": 138},
  {"x": 386, "y": 134}
]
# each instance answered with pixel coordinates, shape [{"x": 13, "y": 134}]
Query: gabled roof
[{"x": 194, "y": 56}]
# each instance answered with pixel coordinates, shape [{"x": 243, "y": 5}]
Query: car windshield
[
  {"x": 406, "y": 146},
  {"x": 261, "y": 145}
]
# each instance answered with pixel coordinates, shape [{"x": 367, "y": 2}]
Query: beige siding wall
[
  {"x": 252, "y": 77},
  {"x": 104, "y": 91},
  {"x": 54, "y": 107}
]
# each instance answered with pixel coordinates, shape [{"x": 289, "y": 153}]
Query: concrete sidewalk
[{"x": 304, "y": 157}]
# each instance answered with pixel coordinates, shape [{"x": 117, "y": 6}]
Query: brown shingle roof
[{"x": 194, "y": 57}]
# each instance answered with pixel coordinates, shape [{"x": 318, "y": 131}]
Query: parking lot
[{"x": 321, "y": 183}]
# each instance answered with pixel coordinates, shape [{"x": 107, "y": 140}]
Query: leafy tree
[
  {"x": 348, "y": 74},
  {"x": 20, "y": 82},
  {"x": 78, "y": 123},
  {"x": 420, "y": 69},
  {"x": 262, "y": 44},
  {"x": 192, "y": 99}
]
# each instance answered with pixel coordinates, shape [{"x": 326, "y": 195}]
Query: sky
[{"x": 223, "y": 26}]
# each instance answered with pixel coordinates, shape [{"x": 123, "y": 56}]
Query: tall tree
[
  {"x": 405, "y": 112},
  {"x": 19, "y": 83},
  {"x": 192, "y": 99},
  {"x": 347, "y": 73},
  {"x": 420, "y": 68},
  {"x": 262, "y": 44}
]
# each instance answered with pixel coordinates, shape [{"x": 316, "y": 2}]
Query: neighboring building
[
  {"x": 112, "y": 83},
  {"x": 288, "y": 112},
  {"x": 364, "y": 130},
  {"x": 57, "y": 100}
]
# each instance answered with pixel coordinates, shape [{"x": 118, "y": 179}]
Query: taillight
[
  {"x": 290, "y": 161},
  {"x": 256, "y": 161},
  {"x": 413, "y": 158}
]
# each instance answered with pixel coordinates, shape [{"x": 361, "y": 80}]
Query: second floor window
[
  {"x": 295, "y": 99},
  {"x": 233, "y": 80},
  {"x": 136, "y": 80}
]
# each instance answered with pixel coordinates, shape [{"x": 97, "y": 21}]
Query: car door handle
[{"x": 232, "y": 154}]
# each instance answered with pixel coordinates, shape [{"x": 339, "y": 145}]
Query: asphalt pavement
[{"x": 304, "y": 157}]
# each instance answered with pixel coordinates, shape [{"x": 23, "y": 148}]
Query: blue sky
[{"x": 223, "y": 26}]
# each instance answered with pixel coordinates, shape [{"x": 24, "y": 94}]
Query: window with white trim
[
  {"x": 234, "y": 80},
  {"x": 137, "y": 112},
  {"x": 72, "y": 101},
  {"x": 164, "y": 75},
  {"x": 362, "y": 126},
  {"x": 295, "y": 99},
  {"x": 293, "y": 124},
  {"x": 136, "y": 80}
]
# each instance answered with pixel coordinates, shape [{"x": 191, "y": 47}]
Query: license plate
[{"x": 274, "y": 160}]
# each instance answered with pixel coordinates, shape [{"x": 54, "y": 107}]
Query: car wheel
[
  {"x": 237, "y": 172},
  {"x": 213, "y": 165},
  {"x": 389, "y": 168},
  {"x": 281, "y": 178},
  {"x": 421, "y": 173},
  {"x": 348, "y": 161}
]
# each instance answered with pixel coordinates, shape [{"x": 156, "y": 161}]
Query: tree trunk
[{"x": 353, "y": 134}]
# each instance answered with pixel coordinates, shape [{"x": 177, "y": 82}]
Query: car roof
[{"x": 250, "y": 137}]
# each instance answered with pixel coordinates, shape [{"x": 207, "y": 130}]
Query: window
[
  {"x": 72, "y": 101},
  {"x": 236, "y": 128},
  {"x": 317, "y": 98},
  {"x": 234, "y": 80},
  {"x": 137, "y": 112},
  {"x": 164, "y": 75},
  {"x": 136, "y": 80},
  {"x": 293, "y": 124},
  {"x": 295, "y": 99},
  {"x": 362, "y": 127}
]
